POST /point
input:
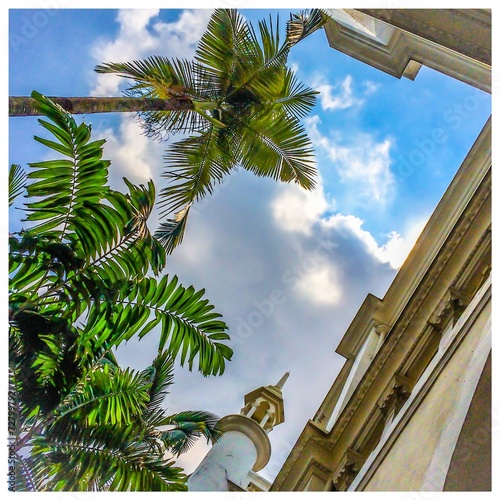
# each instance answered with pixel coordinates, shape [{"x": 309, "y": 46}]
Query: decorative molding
[
  {"x": 313, "y": 467},
  {"x": 394, "y": 400},
  {"x": 368, "y": 36},
  {"x": 450, "y": 307},
  {"x": 473, "y": 18},
  {"x": 473, "y": 260},
  {"x": 346, "y": 472}
]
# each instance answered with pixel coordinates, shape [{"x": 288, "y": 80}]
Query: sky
[{"x": 288, "y": 269}]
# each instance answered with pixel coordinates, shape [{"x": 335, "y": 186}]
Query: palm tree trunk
[{"x": 23, "y": 106}]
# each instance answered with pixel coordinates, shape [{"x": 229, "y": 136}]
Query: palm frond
[
  {"x": 17, "y": 181},
  {"x": 160, "y": 77},
  {"x": 108, "y": 395},
  {"x": 225, "y": 48},
  {"x": 190, "y": 328},
  {"x": 161, "y": 373},
  {"x": 198, "y": 164},
  {"x": 171, "y": 232},
  {"x": 187, "y": 427},
  {"x": 305, "y": 23},
  {"x": 293, "y": 98},
  {"x": 278, "y": 147},
  {"x": 96, "y": 459},
  {"x": 65, "y": 184}
]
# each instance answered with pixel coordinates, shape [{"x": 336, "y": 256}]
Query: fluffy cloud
[
  {"x": 321, "y": 286},
  {"x": 142, "y": 34},
  {"x": 295, "y": 209},
  {"x": 367, "y": 164},
  {"x": 287, "y": 295},
  {"x": 338, "y": 96},
  {"x": 132, "y": 154},
  {"x": 393, "y": 252},
  {"x": 362, "y": 163},
  {"x": 341, "y": 94}
]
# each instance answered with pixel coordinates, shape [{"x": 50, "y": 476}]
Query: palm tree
[
  {"x": 83, "y": 279},
  {"x": 107, "y": 434},
  {"x": 239, "y": 101}
]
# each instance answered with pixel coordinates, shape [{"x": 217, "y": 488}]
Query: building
[{"x": 411, "y": 408}]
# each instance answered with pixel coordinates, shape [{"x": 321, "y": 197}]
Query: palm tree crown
[{"x": 247, "y": 106}]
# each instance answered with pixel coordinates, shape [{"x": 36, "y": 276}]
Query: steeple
[
  {"x": 282, "y": 380},
  {"x": 244, "y": 447},
  {"x": 265, "y": 405}
]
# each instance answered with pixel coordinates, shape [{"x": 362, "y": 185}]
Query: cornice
[{"x": 403, "y": 20}]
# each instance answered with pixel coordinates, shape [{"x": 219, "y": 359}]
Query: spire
[{"x": 282, "y": 380}]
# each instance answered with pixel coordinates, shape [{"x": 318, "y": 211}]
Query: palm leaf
[
  {"x": 171, "y": 232},
  {"x": 17, "y": 181},
  {"x": 161, "y": 377},
  {"x": 190, "y": 328},
  {"x": 292, "y": 98},
  {"x": 305, "y": 23},
  {"x": 108, "y": 395},
  {"x": 186, "y": 427},
  {"x": 224, "y": 48},
  {"x": 100, "y": 459},
  {"x": 200, "y": 162},
  {"x": 65, "y": 184},
  {"x": 278, "y": 147}
]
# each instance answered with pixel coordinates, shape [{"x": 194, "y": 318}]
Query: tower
[{"x": 244, "y": 447}]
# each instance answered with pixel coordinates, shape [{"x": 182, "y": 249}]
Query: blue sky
[{"x": 288, "y": 269}]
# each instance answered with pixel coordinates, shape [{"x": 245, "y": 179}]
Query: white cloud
[
  {"x": 184, "y": 34},
  {"x": 132, "y": 154},
  {"x": 363, "y": 163},
  {"x": 135, "y": 21},
  {"x": 321, "y": 286},
  {"x": 367, "y": 163},
  {"x": 370, "y": 87},
  {"x": 396, "y": 250},
  {"x": 393, "y": 252},
  {"x": 295, "y": 209},
  {"x": 142, "y": 35},
  {"x": 338, "y": 96}
]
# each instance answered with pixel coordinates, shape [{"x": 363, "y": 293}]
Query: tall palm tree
[
  {"x": 239, "y": 101},
  {"x": 82, "y": 280}
]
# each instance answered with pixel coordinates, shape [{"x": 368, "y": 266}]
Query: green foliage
[
  {"x": 104, "y": 436},
  {"x": 17, "y": 180},
  {"x": 83, "y": 279},
  {"x": 247, "y": 110}
]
